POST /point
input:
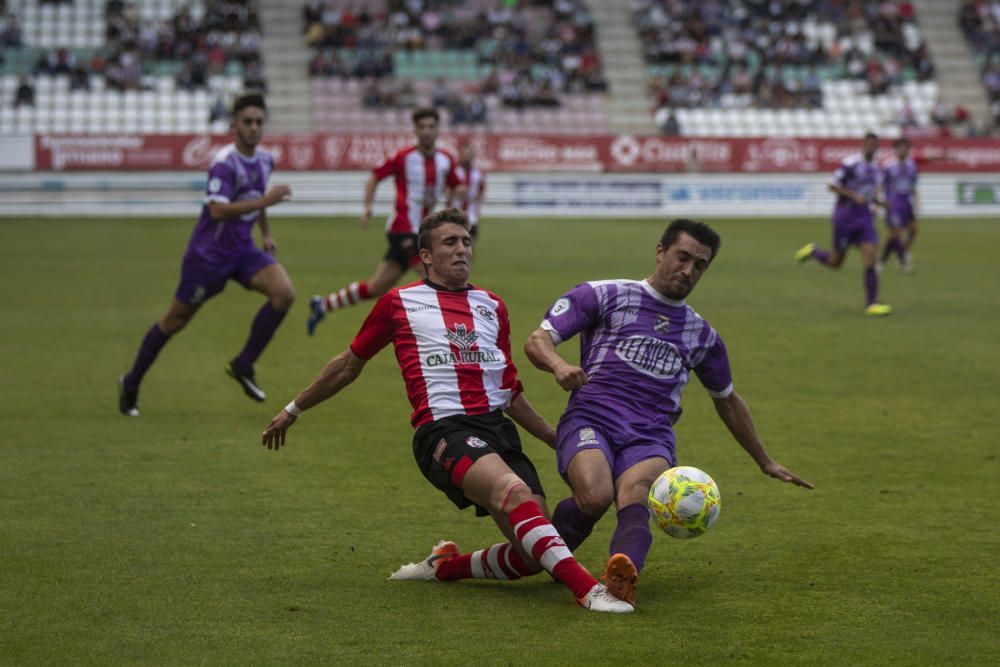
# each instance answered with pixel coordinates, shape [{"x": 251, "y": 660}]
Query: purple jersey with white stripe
[
  {"x": 899, "y": 179},
  {"x": 231, "y": 177},
  {"x": 859, "y": 176},
  {"x": 638, "y": 349}
]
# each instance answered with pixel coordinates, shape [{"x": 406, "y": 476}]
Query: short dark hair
[
  {"x": 248, "y": 100},
  {"x": 426, "y": 112},
  {"x": 870, "y": 135},
  {"x": 435, "y": 220},
  {"x": 699, "y": 231},
  {"x": 902, "y": 141}
]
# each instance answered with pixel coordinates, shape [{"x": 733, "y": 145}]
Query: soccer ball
[{"x": 684, "y": 501}]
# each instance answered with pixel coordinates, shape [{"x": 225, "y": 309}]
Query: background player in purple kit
[
  {"x": 639, "y": 343},
  {"x": 222, "y": 249},
  {"x": 855, "y": 183},
  {"x": 899, "y": 182}
]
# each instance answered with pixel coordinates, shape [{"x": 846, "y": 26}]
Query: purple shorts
[
  {"x": 899, "y": 214},
  {"x": 622, "y": 443},
  {"x": 201, "y": 279},
  {"x": 852, "y": 229}
]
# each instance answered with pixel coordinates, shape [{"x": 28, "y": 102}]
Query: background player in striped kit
[
  {"x": 421, "y": 172},
  {"x": 470, "y": 198},
  {"x": 639, "y": 343},
  {"x": 222, "y": 249},
  {"x": 452, "y": 342}
]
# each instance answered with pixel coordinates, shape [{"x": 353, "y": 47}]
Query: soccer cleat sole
[{"x": 621, "y": 577}]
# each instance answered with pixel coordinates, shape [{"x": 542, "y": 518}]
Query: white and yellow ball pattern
[{"x": 685, "y": 502}]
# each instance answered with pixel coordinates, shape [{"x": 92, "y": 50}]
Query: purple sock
[
  {"x": 821, "y": 256},
  {"x": 901, "y": 250},
  {"x": 632, "y": 536},
  {"x": 152, "y": 343},
  {"x": 263, "y": 327},
  {"x": 573, "y": 525},
  {"x": 871, "y": 285},
  {"x": 890, "y": 247}
]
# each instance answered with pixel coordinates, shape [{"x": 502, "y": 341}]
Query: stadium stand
[
  {"x": 809, "y": 68},
  {"x": 531, "y": 66},
  {"x": 980, "y": 23},
  {"x": 137, "y": 66}
]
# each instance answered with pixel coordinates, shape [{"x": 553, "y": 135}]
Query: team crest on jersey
[
  {"x": 473, "y": 441},
  {"x": 485, "y": 312},
  {"x": 462, "y": 337},
  {"x": 661, "y": 324}
]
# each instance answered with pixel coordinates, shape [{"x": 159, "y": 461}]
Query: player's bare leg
[
  {"x": 176, "y": 318},
  {"x": 911, "y": 237},
  {"x": 273, "y": 281},
  {"x": 387, "y": 274},
  {"x": 872, "y": 307},
  {"x": 894, "y": 244}
]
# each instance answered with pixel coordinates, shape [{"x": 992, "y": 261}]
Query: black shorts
[
  {"x": 444, "y": 450},
  {"x": 403, "y": 250}
]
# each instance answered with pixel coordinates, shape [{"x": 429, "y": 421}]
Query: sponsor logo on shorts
[
  {"x": 473, "y": 441},
  {"x": 439, "y": 449},
  {"x": 561, "y": 306},
  {"x": 587, "y": 438},
  {"x": 198, "y": 296}
]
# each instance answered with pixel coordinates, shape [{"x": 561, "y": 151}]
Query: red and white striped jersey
[
  {"x": 453, "y": 348},
  {"x": 420, "y": 180},
  {"x": 475, "y": 180}
]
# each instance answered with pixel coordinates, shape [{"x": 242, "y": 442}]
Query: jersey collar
[
  {"x": 442, "y": 288},
  {"x": 651, "y": 291}
]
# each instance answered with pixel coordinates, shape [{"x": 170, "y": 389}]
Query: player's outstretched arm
[
  {"x": 339, "y": 372},
  {"x": 366, "y": 212},
  {"x": 267, "y": 241},
  {"x": 733, "y": 411},
  {"x": 275, "y": 195},
  {"x": 525, "y": 416},
  {"x": 541, "y": 351}
]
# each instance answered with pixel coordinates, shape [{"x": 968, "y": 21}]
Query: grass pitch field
[{"x": 176, "y": 538}]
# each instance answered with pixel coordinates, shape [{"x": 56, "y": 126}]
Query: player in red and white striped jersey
[
  {"x": 421, "y": 172},
  {"x": 472, "y": 177},
  {"x": 452, "y": 342}
]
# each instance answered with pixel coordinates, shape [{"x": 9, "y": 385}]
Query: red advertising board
[{"x": 615, "y": 153}]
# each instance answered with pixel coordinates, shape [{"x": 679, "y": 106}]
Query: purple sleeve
[
  {"x": 713, "y": 370},
  {"x": 840, "y": 176},
  {"x": 573, "y": 312},
  {"x": 220, "y": 183}
]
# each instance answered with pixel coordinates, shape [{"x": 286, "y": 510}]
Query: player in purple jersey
[
  {"x": 899, "y": 182},
  {"x": 222, "y": 249},
  {"x": 855, "y": 183},
  {"x": 639, "y": 343}
]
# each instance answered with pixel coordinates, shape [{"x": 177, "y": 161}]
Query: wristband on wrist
[{"x": 293, "y": 409}]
